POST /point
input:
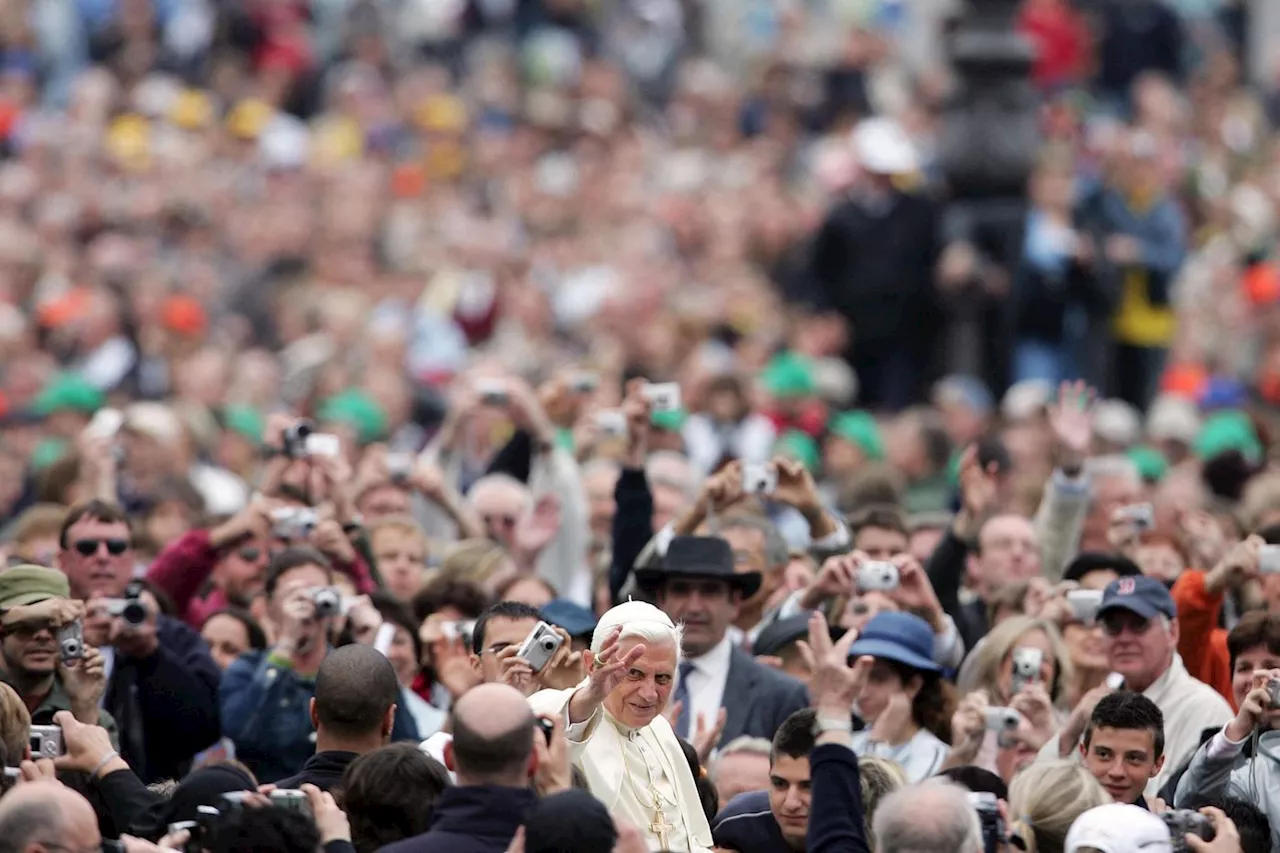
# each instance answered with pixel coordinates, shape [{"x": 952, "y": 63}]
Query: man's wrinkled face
[
  {"x": 880, "y": 543},
  {"x": 706, "y": 606},
  {"x": 1139, "y": 649},
  {"x": 97, "y": 559},
  {"x": 1122, "y": 760},
  {"x": 643, "y": 695},
  {"x": 30, "y": 648},
  {"x": 1008, "y": 552},
  {"x": 402, "y": 560},
  {"x": 789, "y": 795}
]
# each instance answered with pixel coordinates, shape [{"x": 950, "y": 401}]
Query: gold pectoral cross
[{"x": 660, "y": 827}]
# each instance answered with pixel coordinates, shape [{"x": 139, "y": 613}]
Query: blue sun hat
[{"x": 900, "y": 637}]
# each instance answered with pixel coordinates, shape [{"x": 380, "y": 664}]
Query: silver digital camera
[
  {"x": 328, "y": 602},
  {"x": 759, "y": 478},
  {"x": 1026, "y": 668},
  {"x": 612, "y": 423},
  {"x": 292, "y": 800},
  {"x": 46, "y": 742},
  {"x": 540, "y": 646},
  {"x": 293, "y": 522},
  {"x": 1141, "y": 516},
  {"x": 878, "y": 576},
  {"x": 399, "y": 466},
  {"x": 663, "y": 396},
  {"x": 1273, "y": 691},
  {"x": 1001, "y": 719},
  {"x": 71, "y": 642}
]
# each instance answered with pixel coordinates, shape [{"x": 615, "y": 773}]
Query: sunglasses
[
  {"x": 249, "y": 554},
  {"x": 1115, "y": 625},
  {"x": 89, "y": 547}
]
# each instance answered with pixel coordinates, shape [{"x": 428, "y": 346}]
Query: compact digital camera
[
  {"x": 1184, "y": 822},
  {"x": 71, "y": 642},
  {"x": 663, "y": 396},
  {"x": 46, "y": 742},
  {"x": 988, "y": 809},
  {"x": 878, "y": 576},
  {"x": 759, "y": 478},
  {"x": 328, "y": 602},
  {"x": 540, "y": 646},
  {"x": 293, "y": 522},
  {"x": 1026, "y": 667}
]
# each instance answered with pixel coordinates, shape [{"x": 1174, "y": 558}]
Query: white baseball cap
[
  {"x": 1119, "y": 828},
  {"x": 883, "y": 147}
]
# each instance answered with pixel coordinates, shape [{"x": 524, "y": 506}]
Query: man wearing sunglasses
[
  {"x": 162, "y": 685},
  {"x": 205, "y": 571},
  {"x": 1140, "y": 627}
]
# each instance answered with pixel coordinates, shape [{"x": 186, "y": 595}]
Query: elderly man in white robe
[{"x": 617, "y": 735}]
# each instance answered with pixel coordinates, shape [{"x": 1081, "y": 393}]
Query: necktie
[{"x": 682, "y": 696}]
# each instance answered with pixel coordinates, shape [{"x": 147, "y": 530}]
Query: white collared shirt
[{"x": 706, "y": 683}]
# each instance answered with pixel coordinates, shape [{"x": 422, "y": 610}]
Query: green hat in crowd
[
  {"x": 23, "y": 585},
  {"x": 68, "y": 392},
  {"x": 797, "y": 445},
  {"x": 358, "y": 410},
  {"x": 789, "y": 375},
  {"x": 672, "y": 420},
  {"x": 861, "y": 429},
  {"x": 245, "y": 421},
  {"x": 1228, "y": 430},
  {"x": 47, "y": 452},
  {"x": 1151, "y": 463}
]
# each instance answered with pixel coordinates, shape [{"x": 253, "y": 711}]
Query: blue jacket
[
  {"x": 835, "y": 809},
  {"x": 266, "y": 711},
  {"x": 471, "y": 819},
  {"x": 166, "y": 706},
  {"x": 746, "y": 824}
]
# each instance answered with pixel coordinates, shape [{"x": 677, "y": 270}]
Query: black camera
[
  {"x": 988, "y": 809},
  {"x": 1184, "y": 822},
  {"x": 295, "y": 438}
]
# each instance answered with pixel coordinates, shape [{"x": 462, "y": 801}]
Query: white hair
[
  {"x": 672, "y": 469},
  {"x": 638, "y": 619},
  {"x": 1115, "y": 465},
  {"x": 505, "y": 481},
  {"x": 932, "y": 816}
]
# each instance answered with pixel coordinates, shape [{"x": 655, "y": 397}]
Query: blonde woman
[
  {"x": 879, "y": 778},
  {"x": 987, "y": 680},
  {"x": 479, "y": 561},
  {"x": 1046, "y": 798}
]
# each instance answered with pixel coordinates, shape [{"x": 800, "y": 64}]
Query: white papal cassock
[{"x": 626, "y": 768}]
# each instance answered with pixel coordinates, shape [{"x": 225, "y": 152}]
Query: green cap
[
  {"x": 672, "y": 420},
  {"x": 23, "y": 585},
  {"x": 797, "y": 445},
  {"x": 861, "y": 429},
  {"x": 245, "y": 421},
  {"x": 1151, "y": 463},
  {"x": 1228, "y": 430},
  {"x": 358, "y": 410},
  {"x": 46, "y": 452},
  {"x": 789, "y": 375},
  {"x": 68, "y": 392}
]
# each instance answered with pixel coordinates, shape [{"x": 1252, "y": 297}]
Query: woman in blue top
[{"x": 902, "y": 698}]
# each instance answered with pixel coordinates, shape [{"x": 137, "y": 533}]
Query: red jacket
[
  {"x": 1202, "y": 644},
  {"x": 183, "y": 568}
]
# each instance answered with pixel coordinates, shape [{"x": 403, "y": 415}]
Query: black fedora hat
[{"x": 700, "y": 557}]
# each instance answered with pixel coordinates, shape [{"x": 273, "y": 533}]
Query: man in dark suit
[
  {"x": 353, "y": 712},
  {"x": 698, "y": 587}
]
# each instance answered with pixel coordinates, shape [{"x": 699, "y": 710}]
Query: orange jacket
[{"x": 1202, "y": 644}]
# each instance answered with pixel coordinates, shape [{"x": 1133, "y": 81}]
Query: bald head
[
  {"x": 492, "y": 736},
  {"x": 47, "y": 813},
  {"x": 356, "y": 688}
]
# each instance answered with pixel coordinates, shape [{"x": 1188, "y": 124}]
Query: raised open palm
[{"x": 1071, "y": 418}]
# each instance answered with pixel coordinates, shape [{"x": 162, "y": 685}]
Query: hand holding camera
[
  {"x": 969, "y": 726},
  {"x": 1262, "y": 700},
  {"x": 85, "y": 680},
  {"x": 837, "y": 576},
  {"x": 82, "y": 747}
]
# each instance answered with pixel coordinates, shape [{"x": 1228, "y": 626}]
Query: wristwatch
[{"x": 832, "y": 724}]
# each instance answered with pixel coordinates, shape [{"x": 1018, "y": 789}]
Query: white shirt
[
  {"x": 707, "y": 679},
  {"x": 434, "y": 747}
]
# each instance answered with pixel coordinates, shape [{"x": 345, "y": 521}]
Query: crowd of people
[{"x": 560, "y": 426}]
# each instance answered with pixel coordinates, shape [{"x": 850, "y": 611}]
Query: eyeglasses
[
  {"x": 249, "y": 554},
  {"x": 89, "y": 547}
]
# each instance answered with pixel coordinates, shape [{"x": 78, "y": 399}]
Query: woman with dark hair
[
  {"x": 388, "y": 795},
  {"x": 389, "y": 617},
  {"x": 901, "y": 696},
  {"x": 231, "y": 632}
]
